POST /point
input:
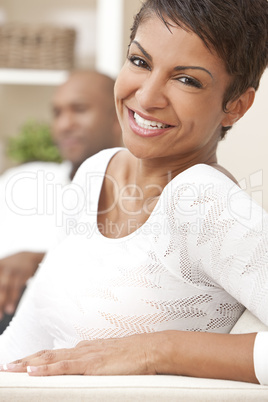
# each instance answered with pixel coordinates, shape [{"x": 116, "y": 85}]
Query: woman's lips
[{"x": 146, "y": 131}]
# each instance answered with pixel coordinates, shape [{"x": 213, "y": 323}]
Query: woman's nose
[{"x": 151, "y": 93}]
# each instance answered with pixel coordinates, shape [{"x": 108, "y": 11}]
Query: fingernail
[
  {"x": 8, "y": 367},
  {"x": 32, "y": 369}
]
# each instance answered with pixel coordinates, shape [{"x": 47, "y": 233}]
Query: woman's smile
[{"x": 146, "y": 127}]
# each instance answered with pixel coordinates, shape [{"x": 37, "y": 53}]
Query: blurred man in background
[{"x": 84, "y": 123}]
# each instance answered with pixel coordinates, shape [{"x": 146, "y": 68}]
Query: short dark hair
[{"x": 236, "y": 29}]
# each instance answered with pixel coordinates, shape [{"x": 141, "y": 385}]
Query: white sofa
[{"x": 22, "y": 388}]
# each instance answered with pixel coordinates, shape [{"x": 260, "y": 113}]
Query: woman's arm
[
  {"x": 210, "y": 355},
  {"x": 25, "y": 333},
  {"x": 196, "y": 354}
]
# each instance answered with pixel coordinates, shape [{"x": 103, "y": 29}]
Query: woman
[{"x": 165, "y": 250}]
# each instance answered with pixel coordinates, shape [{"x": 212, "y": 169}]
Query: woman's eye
[
  {"x": 137, "y": 61},
  {"x": 189, "y": 81}
]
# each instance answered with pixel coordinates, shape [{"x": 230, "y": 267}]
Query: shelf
[{"x": 32, "y": 77}]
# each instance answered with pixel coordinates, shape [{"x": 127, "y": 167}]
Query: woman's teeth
[{"x": 148, "y": 123}]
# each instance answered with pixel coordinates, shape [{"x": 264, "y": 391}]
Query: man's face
[{"x": 83, "y": 117}]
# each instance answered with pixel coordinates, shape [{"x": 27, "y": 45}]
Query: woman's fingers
[
  {"x": 101, "y": 357},
  {"x": 59, "y": 359},
  {"x": 64, "y": 367},
  {"x": 42, "y": 358},
  {"x": 49, "y": 362}
]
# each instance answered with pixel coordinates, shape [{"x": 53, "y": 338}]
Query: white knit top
[{"x": 198, "y": 260}]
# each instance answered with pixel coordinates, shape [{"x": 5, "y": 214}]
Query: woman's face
[{"x": 169, "y": 95}]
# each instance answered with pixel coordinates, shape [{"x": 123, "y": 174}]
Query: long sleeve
[
  {"x": 220, "y": 233},
  {"x": 238, "y": 246},
  {"x": 26, "y": 334},
  {"x": 261, "y": 357}
]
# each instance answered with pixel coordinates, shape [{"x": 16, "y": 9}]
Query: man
[{"x": 84, "y": 122}]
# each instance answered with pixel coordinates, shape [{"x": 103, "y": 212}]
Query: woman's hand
[
  {"x": 15, "y": 270},
  {"x": 196, "y": 354},
  {"x": 115, "y": 356}
]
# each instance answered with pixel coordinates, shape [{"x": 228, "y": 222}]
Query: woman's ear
[{"x": 237, "y": 108}]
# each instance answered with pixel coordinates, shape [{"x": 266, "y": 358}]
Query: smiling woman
[
  {"x": 180, "y": 92},
  {"x": 173, "y": 250}
]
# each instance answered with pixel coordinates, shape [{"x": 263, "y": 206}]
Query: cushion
[{"x": 21, "y": 387}]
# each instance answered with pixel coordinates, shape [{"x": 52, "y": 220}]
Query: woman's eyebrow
[
  {"x": 181, "y": 68},
  {"x": 177, "y": 68},
  {"x": 142, "y": 50}
]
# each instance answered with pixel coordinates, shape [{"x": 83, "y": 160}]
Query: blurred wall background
[
  {"x": 245, "y": 150},
  {"x": 102, "y": 37}
]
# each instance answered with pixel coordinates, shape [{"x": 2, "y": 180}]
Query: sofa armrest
[
  {"x": 23, "y": 388},
  {"x": 248, "y": 323}
]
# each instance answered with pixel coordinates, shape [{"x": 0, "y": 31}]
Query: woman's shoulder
[
  {"x": 207, "y": 174},
  {"x": 206, "y": 186},
  {"x": 207, "y": 200}
]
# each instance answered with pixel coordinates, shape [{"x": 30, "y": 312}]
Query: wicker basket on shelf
[{"x": 36, "y": 47}]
